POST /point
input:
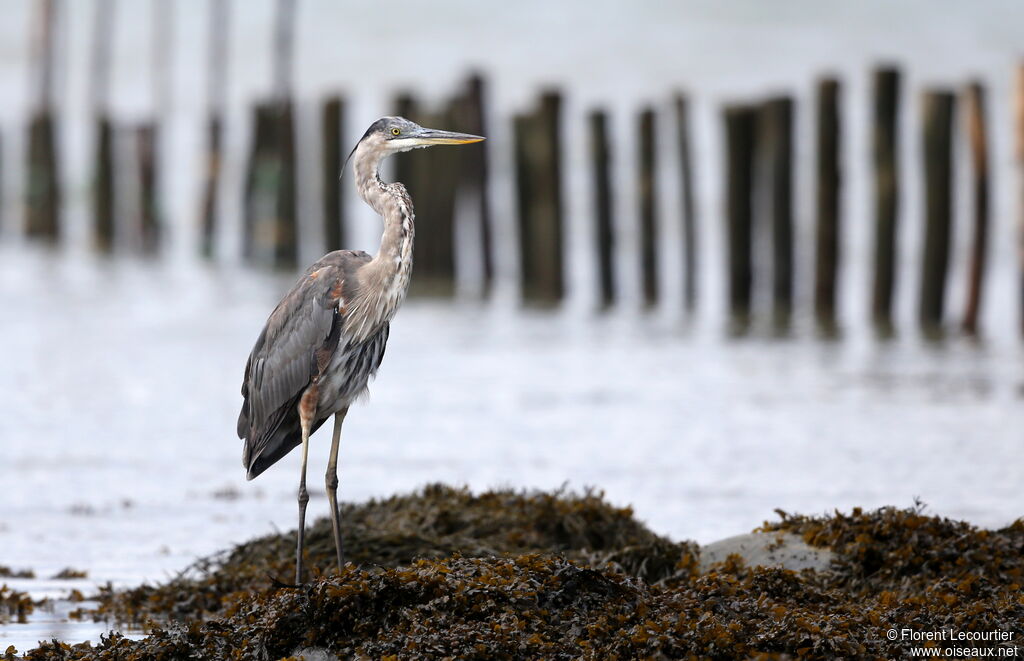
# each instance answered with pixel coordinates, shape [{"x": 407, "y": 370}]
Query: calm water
[
  {"x": 121, "y": 390},
  {"x": 119, "y": 386}
]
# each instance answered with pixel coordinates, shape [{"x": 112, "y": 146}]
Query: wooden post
[
  {"x": 1019, "y": 122},
  {"x": 885, "y": 152},
  {"x": 207, "y": 241},
  {"x": 445, "y": 170},
  {"x": 689, "y": 213},
  {"x": 938, "y": 173},
  {"x": 438, "y": 181},
  {"x": 979, "y": 166},
  {"x": 271, "y": 223},
  {"x": 431, "y": 175},
  {"x": 103, "y": 193},
  {"x": 522, "y": 128},
  {"x": 647, "y": 193},
  {"x": 740, "y": 135},
  {"x": 331, "y": 120},
  {"x": 253, "y": 185},
  {"x": 286, "y": 254},
  {"x": 828, "y": 184},
  {"x": 215, "y": 91},
  {"x": 475, "y": 174},
  {"x": 146, "y": 141},
  {"x": 777, "y": 132},
  {"x": 42, "y": 190},
  {"x": 148, "y": 136},
  {"x": 600, "y": 154},
  {"x": 262, "y": 183},
  {"x": 551, "y": 214},
  {"x": 539, "y": 177}
]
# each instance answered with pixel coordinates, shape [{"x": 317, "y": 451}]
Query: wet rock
[
  {"x": 761, "y": 549},
  {"x": 313, "y": 654}
]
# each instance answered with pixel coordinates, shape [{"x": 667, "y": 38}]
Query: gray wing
[{"x": 295, "y": 346}]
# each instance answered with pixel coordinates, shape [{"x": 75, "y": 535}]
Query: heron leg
[
  {"x": 332, "y": 485},
  {"x": 307, "y": 407}
]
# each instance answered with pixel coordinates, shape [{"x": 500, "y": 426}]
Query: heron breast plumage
[{"x": 352, "y": 366}]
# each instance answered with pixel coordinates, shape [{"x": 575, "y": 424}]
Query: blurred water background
[{"x": 120, "y": 376}]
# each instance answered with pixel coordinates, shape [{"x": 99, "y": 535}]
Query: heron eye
[{"x": 396, "y": 131}]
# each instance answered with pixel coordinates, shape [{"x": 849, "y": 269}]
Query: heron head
[{"x": 397, "y": 134}]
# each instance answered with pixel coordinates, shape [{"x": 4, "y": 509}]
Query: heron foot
[{"x": 278, "y": 584}]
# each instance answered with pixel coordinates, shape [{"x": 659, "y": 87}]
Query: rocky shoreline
[{"x": 444, "y": 573}]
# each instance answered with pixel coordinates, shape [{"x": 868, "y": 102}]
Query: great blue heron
[{"x": 326, "y": 337}]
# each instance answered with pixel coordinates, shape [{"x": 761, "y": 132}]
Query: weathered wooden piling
[
  {"x": 259, "y": 180},
  {"x": 286, "y": 254},
  {"x": 689, "y": 219},
  {"x": 208, "y": 222},
  {"x": 539, "y": 185},
  {"x": 647, "y": 195},
  {"x": 431, "y": 176},
  {"x": 42, "y": 189},
  {"x": 1019, "y": 122},
  {"x": 148, "y": 142},
  {"x": 740, "y": 138},
  {"x": 777, "y": 142},
  {"x": 978, "y": 135},
  {"x": 149, "y": 203},
  {"x": 522, "y": 130},
  {"x": 331, "y": 120},
  {"x": 827, "y": 193},
  {"x": 938, "y": 182},
  {"x": 600, "y": 158},
  {"x": 103, "y": 167},
  {"x": 270, "y": 204},
  {"x": 475, "y": 174},
  {"x": 42, "y": 193},
  {"x": 271, "y": 208},
  {"x": 216, "y": 84},
  {"x": 103, "y": 186},
  {"x": 885, "y": 154}
]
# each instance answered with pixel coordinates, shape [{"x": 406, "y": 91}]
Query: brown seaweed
[{"x": 564, "y": 576}]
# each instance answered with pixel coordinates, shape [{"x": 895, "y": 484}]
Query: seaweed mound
[
  {"x": 543, "y": 606},
  {"x": 435, "y": 522},
  {"x": 606, "y": 588},
  {"x": 907, "y": 552}
]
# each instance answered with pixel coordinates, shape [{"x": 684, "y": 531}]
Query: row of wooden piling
[
  {"x": 43, "y": 196},
  {"x": 759, "y": 149},
  {"x": 759, "y": 185},
  {"x": 649, "y": 132}
]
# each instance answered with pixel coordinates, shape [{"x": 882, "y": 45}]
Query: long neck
[{"x": 385, "y": 279}]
